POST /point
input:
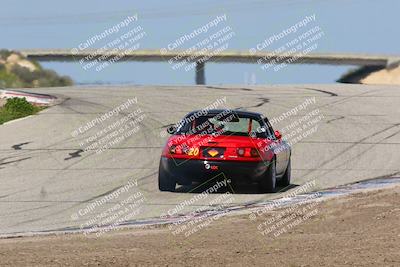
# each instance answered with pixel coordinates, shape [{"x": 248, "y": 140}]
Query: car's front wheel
[
  {"x": 165, "y": 181},
  {"x": 268, "y": 183}
]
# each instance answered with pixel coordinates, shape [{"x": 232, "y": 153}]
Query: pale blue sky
[{"x": 349, "y": 26}]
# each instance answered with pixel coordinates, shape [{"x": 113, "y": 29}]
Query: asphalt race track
[{"x": 46, "y": 178}]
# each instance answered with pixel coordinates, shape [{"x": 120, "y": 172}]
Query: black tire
[
  {"x": 165, "y": 181},
  {"x": 285, "y": 180},
  {"x": 268, "y": 184}
]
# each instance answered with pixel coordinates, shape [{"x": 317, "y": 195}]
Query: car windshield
[{"x": 219, "y": 124}]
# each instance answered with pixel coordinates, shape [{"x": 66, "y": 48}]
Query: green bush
[
  {"x": 19, "y": 106},
  {"x": 16, "y": 108}
]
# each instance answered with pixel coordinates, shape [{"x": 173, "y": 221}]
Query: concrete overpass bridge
[{"x": 200, "y": 59}]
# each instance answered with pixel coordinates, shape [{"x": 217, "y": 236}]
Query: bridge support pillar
[{"x": 200, "y": 73}]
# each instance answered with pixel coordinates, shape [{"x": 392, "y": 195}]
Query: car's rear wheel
[
  {"x": 268, "y": 183},
  {"x": 165, "y": 181},
  {"x": 285, "y": 180}
]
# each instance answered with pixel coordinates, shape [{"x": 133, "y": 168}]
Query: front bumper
[{"x": 187, "y": 171}]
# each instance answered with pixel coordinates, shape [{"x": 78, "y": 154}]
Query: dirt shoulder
[
  {"x": 384, "y": 76},
  {"x": 374, "y": 75},
  {"x": 359, "y": 230}
]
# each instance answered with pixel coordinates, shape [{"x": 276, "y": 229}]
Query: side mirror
[{"x": 278, "y": 135}]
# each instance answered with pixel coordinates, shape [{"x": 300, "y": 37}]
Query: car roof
[{"x": 236, "y": 111}]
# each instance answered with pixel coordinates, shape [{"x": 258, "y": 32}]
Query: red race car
[{"x": 240, "y": 145}]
